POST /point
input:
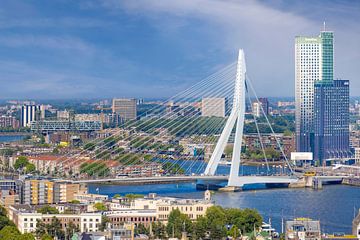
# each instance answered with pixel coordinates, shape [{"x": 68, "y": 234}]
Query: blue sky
[{"x": 156, "y": 48}]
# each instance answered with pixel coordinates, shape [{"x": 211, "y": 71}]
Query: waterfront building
[
  {"x": 8, "y": 121},
  {"x": 28, "y": 114},
  {"x": 302, "y": 229},
  {"x": 26, "y": 217},
  {"x": 47, "y": 192},
  {"x": 331, "y": 120},
  {"x": 88, "y": 198},
  {"x": 125, "y": 107},
  {"x": 38, "y": 192},
  {"x": 314, "y": 58},
  {"x": 213, "y": 107}
]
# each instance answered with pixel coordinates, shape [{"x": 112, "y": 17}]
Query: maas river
[{"x": 334, "y": 205}]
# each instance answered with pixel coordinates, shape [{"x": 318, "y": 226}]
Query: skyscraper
[
  {"x": 331, "y": 120},
  {"x": 265, "y": 105},
  {"x": 314, "y": 61},
  {"x": 28, "y": 114},
  {"x": 125, "y": 107}
]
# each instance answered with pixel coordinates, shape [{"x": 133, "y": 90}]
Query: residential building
[
  {"x": 125, "y": 107},
  {"x": 314, "y": 57},
  {"x": 331, "y": 121},
  {"x": 8, "y": 121},
  {"x": 28, "y": 114},
  {"x": 47, "y": 192},
  {"x": 302, "y": 229},
  {"x": 214, "y": 107},
  {"x": 88, "y": 198}
]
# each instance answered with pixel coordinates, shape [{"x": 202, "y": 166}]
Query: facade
[
  {"x": 125, "y": 107},
  {"x": 8, "y": 186},
  {"x": 314, "y": 57},
  {"x": 331, "y": 120},
  {"x": 213, "y": 107},
  {"x": 25, "y": 219},
  {"x": 8, "y": 121},
  {"x": 303, "y": 229},
  {"x": 28, "y": 114},
  {"x": 38, "y": 192},
  {"x": 136, "y": 216}
]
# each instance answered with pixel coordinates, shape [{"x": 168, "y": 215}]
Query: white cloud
[{"x": 266, "y": 33}]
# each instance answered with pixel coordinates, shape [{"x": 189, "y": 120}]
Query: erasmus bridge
[{"x": 232, "y": 82}]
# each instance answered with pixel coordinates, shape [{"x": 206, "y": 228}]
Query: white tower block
[{"x": 236, "y": 116}]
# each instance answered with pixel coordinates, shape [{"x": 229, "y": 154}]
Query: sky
[{"x": 157, "y": 48}]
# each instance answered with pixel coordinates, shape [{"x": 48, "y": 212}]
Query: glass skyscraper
[
  {"x": 314, "y": 61},
  {"x": 331, "y": 120}
]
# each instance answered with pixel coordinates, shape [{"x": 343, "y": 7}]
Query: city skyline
[{"x": 125, "y": 49}]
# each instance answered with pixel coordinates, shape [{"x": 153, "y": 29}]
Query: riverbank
[{"x": 334, "y": 205}]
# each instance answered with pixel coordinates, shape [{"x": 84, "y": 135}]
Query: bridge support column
[{"x": 237, "y": 116}]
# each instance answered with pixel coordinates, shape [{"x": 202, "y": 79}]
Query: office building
[
  {"x": 314, "y": 58},
  {"x": 125, "y": 107},
  {"x": 331, "y": 120},
  {"x": 213, "y": 107},
  {"x": 28, "y": 114},
  {"x": 303, "y": 229}
]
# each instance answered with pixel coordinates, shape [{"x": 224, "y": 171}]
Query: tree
[
  {"x": 234, "y": 232},
  {"x": 75, "y": 201},
  {"x": 54, "y": 229},
  {"x": 177, "y": 223},
  {"x": 29, "y": 168},
  {"x": 200, "y": 228},
  {"x": 4, "y": 221},
  {"x": 104, "y": 221},
  {"x": 100, "y": 206},
  {"x": 216, "y": 220},
  {"x": 47, "y": 209},
  {"x": 26, "y": 236},
  {"x": 71, "y": 229},
  {"x": 9, "y": 233},
  {"x": 141, "y": 229},
  {"x": 46, "y": 237},
  {"x": 117, "y": 196},
  {"x": 21, "y": 162},
  {"x": 159, "y": 230}
]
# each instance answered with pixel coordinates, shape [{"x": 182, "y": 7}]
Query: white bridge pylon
[{"x": 237, "y": 116}]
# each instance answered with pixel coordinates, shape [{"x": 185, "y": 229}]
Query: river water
[
  {"x": 334, "y": 205},
  {"x": 11, "y": 138}
]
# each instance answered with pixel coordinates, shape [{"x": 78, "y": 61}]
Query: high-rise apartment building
[
  {"x": 8, "y": 121},
  {"x": 125, "y": 107},
  {"x": 214, "y": 107},
  {"x": 314, "y": 61},
  {"x": 256, "y": 109},
  {"x": 331, "y": 120},
  {"x": 28, "y": 114},
  {"x": 260, "y": 107}
]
